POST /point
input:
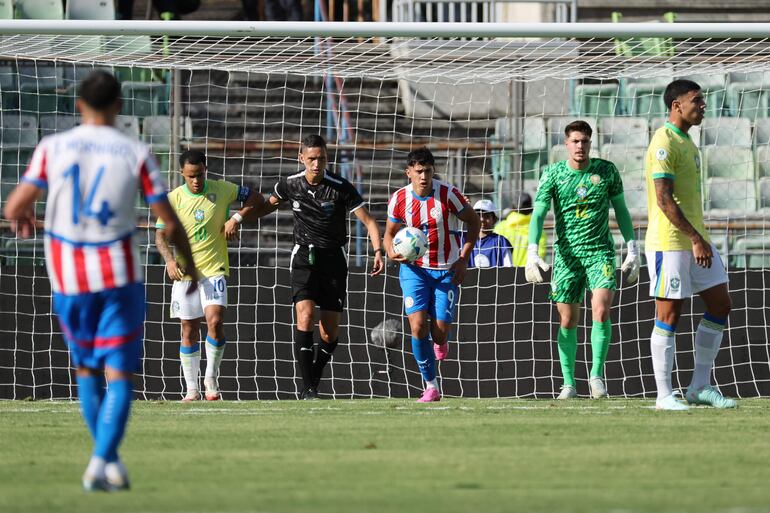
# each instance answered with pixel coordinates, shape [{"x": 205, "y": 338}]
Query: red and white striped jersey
[
  {"x": 93, "y": 174},
  {"x": 431, "y": 215}
]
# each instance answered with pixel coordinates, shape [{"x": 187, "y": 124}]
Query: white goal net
[{"x": 492, "y": 110}]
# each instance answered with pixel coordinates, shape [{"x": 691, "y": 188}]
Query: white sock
[
  {"x": 96, "y": 466},
  {"x": 708, "y": 338},
  {"x": 662, "y": 348},
  {"x": 213, "y": 358},
  {"x": 191, "y": 363},
  {"x": 432, "y": 383}
]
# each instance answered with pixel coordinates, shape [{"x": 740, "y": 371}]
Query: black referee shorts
[{"x": 325, "y": 281}]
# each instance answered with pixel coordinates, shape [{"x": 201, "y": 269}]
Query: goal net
[{"x": 492, "y": 110}]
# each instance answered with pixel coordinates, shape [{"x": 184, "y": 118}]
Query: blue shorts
[
  {"x": 104, "y": 329},
  {"x": 430, "y": 290}
]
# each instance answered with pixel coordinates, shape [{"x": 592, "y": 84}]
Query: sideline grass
[{"x": 459, "y": 455}]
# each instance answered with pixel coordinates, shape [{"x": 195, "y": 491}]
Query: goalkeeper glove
[
  {"x": 534, "y": 265},
  {"x": 633, "y": 261}
]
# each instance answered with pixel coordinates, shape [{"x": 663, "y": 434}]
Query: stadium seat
[
  {"x": 128, "y": 125},
  {"x": 24, "y": 252},
  {"x": 39, "y": 9},
  {"x": 762, "y": 132},
  {"x": 555, "y": 129},
  {"x": 627, "y": 131},
  {"x": 729, "y": 162},
  {"x": 643, "y": 97},
  {"x": 156, "y": 131},
  {"x": 762, "y": 159},
  {"x": 19, "y": 131},
  {"x": 596, "y": 99},
  {"x": 534, "y": 146},
  {"x": 694, "y": 132},
  {"x": 748, "y": 99},
  {"x": 726, "y": 131},
  {"x": 6, "y": 9},
  {"x": 52, "y": 123},
  {"x": 628, "y": 159},
  {"x": 143, "y": 98},
  {"x": 731, "y": 194},
  {"x": 90, "y": 10},
  {"x": 39, "y": 88},
  {"x": 763, "y": 184},
  {"x": 9, "y": 88},
  {"x": 751, "y": 251},
  {"x": 13, "y": 163}
]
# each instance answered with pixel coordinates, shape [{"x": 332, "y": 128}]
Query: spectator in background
[
  {"x": 491, "y": 249},
  {"x": 515, "y": 228}
]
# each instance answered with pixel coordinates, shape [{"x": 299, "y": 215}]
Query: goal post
[{"x": 490, "y": 100}]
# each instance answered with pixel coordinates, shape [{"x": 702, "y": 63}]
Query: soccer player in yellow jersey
[
  {"x": 203, "y": 206},
  {"x": 680, "y": 257}
]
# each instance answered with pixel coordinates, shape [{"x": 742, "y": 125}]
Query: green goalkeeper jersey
[{"x": 581, "y": 205}]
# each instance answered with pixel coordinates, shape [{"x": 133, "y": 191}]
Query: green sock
[
  {"x": 567, "y": 342},
  {"x": 601, "y": 336}
]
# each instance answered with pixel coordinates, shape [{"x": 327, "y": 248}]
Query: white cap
[{"x": 485, "y": 205}]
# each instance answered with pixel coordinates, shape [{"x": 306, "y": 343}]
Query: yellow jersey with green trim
[
  {"x": 674, "y": 156},
  {"x": 203, "y": 217}
]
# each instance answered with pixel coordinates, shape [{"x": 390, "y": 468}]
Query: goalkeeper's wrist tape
[{"x": 238, "y": 218}]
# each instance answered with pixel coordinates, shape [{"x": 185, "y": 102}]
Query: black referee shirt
[{"x": 320, "y": 211}]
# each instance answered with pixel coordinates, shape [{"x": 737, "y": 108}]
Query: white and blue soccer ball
[{"x": 411, "y": 243}]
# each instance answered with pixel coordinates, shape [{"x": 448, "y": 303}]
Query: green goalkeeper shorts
[{"x": 573, "y": 275}]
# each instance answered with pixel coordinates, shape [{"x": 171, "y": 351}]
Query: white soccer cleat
[
  {"x": 192, "y": 395},
  {"x": 96, "y": 483},
  {"x": 212, "y": 390},
  {"x": 567, "y": 392},
  {"x": 670, "y": 403},
  {"x": 117, "y": 476},
  {"x": 596, "y": 385}
]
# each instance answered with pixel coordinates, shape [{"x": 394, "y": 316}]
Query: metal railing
[{"x": 473, "y": 11}]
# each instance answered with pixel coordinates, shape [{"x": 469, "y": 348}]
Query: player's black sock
[
  {"x": 303, "y": 345},
  {"x": 322, "y": 357}
]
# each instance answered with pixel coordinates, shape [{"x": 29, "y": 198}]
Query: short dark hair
[
  {"x": 522, "y": 202},
  {"x": 313, "y": 141},
  {"x": 676, "y": 89},
  {"x": 421, "y": 156},
  {"x": 99, "y": 89},
  {"x": 578, "y": 126},
  {"x": 193, "y": 157}
]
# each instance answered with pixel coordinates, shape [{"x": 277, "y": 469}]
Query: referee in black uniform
[{"x": 321, "y": 202}]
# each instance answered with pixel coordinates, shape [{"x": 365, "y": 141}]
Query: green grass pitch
[{"x": 459, "y": 455}]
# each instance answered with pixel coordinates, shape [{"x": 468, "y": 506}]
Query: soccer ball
[{"x": 411, "y": 243}]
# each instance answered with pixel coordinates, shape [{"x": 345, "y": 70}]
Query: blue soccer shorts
[
  {"x": 104, "y": 329},
  {"x": 431, "y": 290}
]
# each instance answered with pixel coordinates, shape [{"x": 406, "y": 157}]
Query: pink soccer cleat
[
  {"x": 441, "y": 351},
  {"x": 431, "y": 395}
]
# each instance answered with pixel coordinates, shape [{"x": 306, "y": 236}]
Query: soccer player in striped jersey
[
  {"x": 430, "y": 284},
  {"x": 681, "y": 259},
  {"x": 92, "y": 174},
  {"x": 582, "y": 190},
  {"x": 204, "y": 208}
]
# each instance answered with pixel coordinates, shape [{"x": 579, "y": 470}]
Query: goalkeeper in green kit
[{"x": 582, "y": 189}]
